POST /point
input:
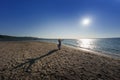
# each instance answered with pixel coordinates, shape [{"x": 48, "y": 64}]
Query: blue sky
[{"x": 60, "y": 18}]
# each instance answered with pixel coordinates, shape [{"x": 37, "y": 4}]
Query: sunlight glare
[{"x": 85, "y": 43}]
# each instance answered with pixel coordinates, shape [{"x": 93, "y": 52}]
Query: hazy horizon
[{"x": 57, "y": 38}]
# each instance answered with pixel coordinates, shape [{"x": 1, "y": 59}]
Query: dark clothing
[{"x": 59, "y": 44}]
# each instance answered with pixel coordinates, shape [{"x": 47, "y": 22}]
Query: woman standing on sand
[{"x": 59, "y": 44}]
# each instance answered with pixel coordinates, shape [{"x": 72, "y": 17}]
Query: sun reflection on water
[{"x": 85, "y": 43}]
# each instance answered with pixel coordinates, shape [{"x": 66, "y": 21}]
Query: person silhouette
[{"x": 59, "y": 44}]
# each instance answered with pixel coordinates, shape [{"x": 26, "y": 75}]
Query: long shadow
[{"x": 33, "y": 60}]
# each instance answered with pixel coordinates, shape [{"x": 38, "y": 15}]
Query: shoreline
[
  {"x": 107, "y": 54},
  {"x": 96, "y": 52}
]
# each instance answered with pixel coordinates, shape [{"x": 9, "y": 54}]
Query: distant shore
[{"x": 29, "y": 60}]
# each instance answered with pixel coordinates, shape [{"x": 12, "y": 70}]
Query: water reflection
[{"x": 86, "y": 43}]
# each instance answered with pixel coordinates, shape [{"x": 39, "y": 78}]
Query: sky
[{"x": 60, "y": 18}]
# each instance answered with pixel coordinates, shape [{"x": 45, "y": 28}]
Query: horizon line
[{"x": 58, "y": 37}]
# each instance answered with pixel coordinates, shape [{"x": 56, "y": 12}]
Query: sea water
[{"x": 103, "y": 45}]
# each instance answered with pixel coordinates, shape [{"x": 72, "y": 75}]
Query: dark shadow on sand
[{"x": 30, "y": 62}]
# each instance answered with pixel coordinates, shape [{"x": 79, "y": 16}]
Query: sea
[{"x": 108, "y": 46}]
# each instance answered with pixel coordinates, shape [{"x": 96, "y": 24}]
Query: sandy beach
[{"x": 43, "y": 61}]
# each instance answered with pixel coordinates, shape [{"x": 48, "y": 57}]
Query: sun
[{"x": 86, "y": 21}]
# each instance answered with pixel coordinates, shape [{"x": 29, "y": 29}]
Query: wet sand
[{"x": 43, "y": 61}]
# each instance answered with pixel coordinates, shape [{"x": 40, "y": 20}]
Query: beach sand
[{"x": 42, "y": 61}]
